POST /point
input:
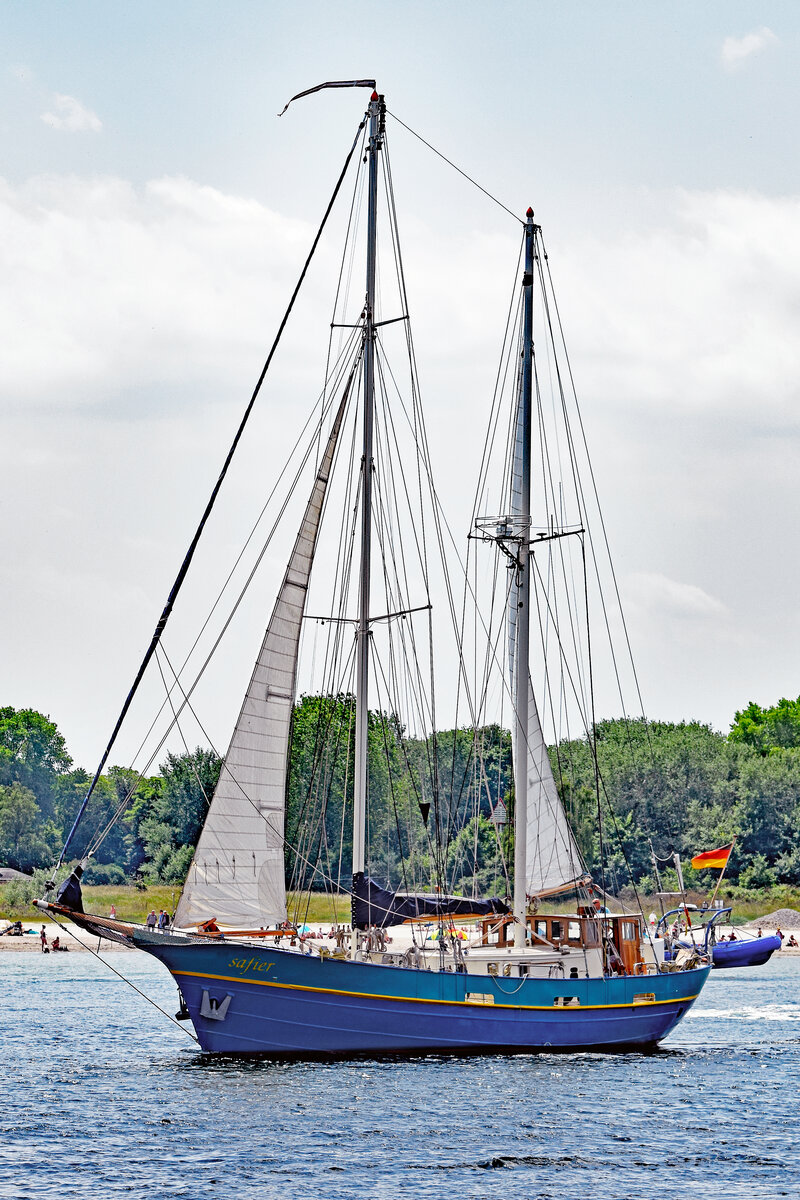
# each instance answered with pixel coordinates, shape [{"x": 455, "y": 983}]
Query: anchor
[{"x": 213, "y": 1009}]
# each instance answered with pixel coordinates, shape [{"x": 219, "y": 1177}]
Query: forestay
[{"x": 237, "y": 873}]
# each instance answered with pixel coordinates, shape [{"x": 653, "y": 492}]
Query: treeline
[
  {"x": 41, "y": 791},
  {"x": 674, "y": 787},
  {"x": 685, "y": 788}
]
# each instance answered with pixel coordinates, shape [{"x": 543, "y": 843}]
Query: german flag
[{"x": 715, "y": 859}]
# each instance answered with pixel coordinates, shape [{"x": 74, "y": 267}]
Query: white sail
[
  {"x": 553, "y": 860},
  {"x": 237, "y": 873}
]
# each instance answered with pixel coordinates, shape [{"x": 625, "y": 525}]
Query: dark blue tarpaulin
[{"x": 374, "y": 905}]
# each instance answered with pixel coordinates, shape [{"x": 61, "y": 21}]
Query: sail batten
[{"x": 237, "y": 874}]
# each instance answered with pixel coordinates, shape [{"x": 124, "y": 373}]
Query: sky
[{"x": 154, "y": 215}]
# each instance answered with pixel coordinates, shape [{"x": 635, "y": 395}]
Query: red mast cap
[{"x": 529, "y": 213}]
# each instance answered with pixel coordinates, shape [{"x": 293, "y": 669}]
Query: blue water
[{"x": 100, "y": 1096}]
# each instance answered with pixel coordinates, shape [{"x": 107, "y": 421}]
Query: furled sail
[
  {"x": 553, "y": 859},
  {"x": 237, "y": 874},
  {"x": 373, "y": 905}
]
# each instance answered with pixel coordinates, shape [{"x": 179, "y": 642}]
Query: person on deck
[
  {"x": 151, "y": 919},
  {"x": 163, "y": 921}
]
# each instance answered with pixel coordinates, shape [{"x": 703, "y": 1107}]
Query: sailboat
[{"x": 520, "y": 979}]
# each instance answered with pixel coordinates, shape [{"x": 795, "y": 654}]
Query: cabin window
[
  {"x": 592, "y": 933},
  {"x": 628, "y": 931},
  {"x": 523, "y": 970},
  {"x": 541, "y": 929},
  {"x": 574, "y": 931},
  {"x": 556, "y": 930}
]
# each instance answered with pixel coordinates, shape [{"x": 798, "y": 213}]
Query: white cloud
[
  {"x": 699, "y": 313},
  {"x": 137, "y": 318},
  {"x": 71, "y": 116},
  {"x": 736, "y": 51},
  {"x": 669, "y": 599},
  {"x": 110, "y": 288}
]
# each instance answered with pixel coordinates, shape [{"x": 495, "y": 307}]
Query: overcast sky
[{"x": 155, "y": 213}]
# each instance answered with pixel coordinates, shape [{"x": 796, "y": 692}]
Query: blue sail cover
[{"x": 374, "y": 905}]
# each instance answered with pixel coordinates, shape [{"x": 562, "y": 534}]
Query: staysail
[
  {"x": 237, "y": 873},
  {"x": 553, "y": 860}
]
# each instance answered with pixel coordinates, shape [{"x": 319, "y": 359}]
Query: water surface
[{"x": 103, "y": 1097}]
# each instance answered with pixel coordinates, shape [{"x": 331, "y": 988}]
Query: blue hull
[
  {"x": 276, "y": 1003},
  {"x": 750, "y": 953}
]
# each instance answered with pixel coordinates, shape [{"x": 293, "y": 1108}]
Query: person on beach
[
  {"x": 779, "y": 933},
  {"x": 43, "y": 939},
  {"x": 112, "y": 912},
  {"x": 151, "y": 919}
]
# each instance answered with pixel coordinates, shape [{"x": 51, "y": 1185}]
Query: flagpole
[{"x": 722, "y": 872}]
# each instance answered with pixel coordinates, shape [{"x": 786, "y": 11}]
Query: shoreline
[{"x": 30, "y": 943}]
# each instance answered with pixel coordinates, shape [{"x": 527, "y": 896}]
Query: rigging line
[
  {"x": 401, "y": 855},
  {"x": 119, "y": 975},
  {"x": 432, "y": 847},
  {"x": 400, "y": 272},
  {"x": 184, "y": 568},
  {"x": 325, "y": 405},
  {"x": 389, "y": 510},
  {"x": 325, "y": 719},
  {"x": 343, "y": 563},
  {"x": 596, "y": 496},
  {"x": 352, "y": 218},
  {"x": 506, "y": 350},
  {"x": 103, "y": 833},
  {"x": 490, "y": 655},
  {"x": 444, "y": 158},
  {"x": 470, "y": 589},
  {"x": 579, "y": 487},
  {"x": 440, "y": 519},
  {"x": 326, "y": 760},
  {"x": 550, "y": 489},
  {"x": 187, "y": 694},
  {"x": 423, "y": 458},
  {"x": 552, "y": 618}
]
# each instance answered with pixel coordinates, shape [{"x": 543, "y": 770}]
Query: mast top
[{"x": 529, "y": 214}]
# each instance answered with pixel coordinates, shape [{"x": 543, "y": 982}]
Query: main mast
[
  {"x": 522, "y": 650},
  {"x": 377, "y": 111}
]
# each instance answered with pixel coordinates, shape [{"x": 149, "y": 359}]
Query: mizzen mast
[{"x": 522, "y": 654}]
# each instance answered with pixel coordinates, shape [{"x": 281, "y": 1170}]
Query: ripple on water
[{"x": 104, "y": 1098}]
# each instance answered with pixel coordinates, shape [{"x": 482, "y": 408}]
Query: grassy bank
[{"x": 133, "y": 904}]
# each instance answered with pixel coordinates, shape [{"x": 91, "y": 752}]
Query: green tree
[
  {"x": 169, "y": 815},
  {"x": 768, "y": 730},
  {"x": 25, "y": 842},
  {"x": 32, "y": 753}
]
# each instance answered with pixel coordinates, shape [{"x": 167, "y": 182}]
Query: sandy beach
[
  {"x": 30, "y": 942},
  {"x": 68, "y": 935}
]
